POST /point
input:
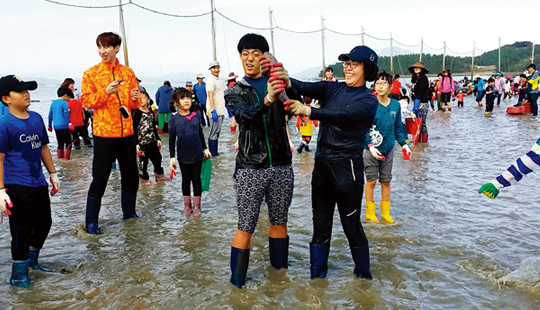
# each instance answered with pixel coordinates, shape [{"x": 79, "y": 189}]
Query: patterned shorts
[{"x": 252, "y": 185}]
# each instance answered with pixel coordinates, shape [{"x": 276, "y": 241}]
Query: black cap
[
  {"x": 531, "y": 66},
  {"x": 360, "y": 53},
  {"x": 14, "y": 83}
]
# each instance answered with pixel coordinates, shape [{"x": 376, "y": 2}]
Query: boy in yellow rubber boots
[{"x": 379, "y": 145}]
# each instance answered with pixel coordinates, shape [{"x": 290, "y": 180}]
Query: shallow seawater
[{"x": 447, "y": 250}]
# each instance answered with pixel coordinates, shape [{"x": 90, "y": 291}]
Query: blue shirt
[
  {"x": 480, "y": 85},
  {"x": 163, "y": 97},
  {"x": 259, "y": 84},
  {"x": 388, "y": 123},
  {"x": 200, "y": 90},
  {"x": 187, "y": 137},
  {"x": 21, "y": 141},
  {"x": 59, "y": 114},
  {"x": 3, "y": 109}
]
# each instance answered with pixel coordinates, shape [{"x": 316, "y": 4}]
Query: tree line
[{"x": 514, "y": 59}]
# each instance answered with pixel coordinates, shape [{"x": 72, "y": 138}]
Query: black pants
[
  {"x": 63, "y": 136},
  {"x": 533, "y": 98},
  {"x": 149, "y": 152},
  {"x": 81, "y": 131},
  {"x": 204, "y": 118},
  {"x": 490, "y": 101},
  {"x": 191, "y": 173},
  {"x": 498, "y": 95},
  {"x": 106, "y": 151},
  {"x": 30, "y": 219},
  {"x": 338, "y": 181}
]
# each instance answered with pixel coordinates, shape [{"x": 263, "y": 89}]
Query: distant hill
[{"x": 514, "y": 58}]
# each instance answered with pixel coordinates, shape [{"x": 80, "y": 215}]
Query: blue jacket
[
  {"x": 388, "y": 123},
  {"x": 346, "y": 114},
  {"x": 480, "y": 85},
  {"x": 200, "y": 90},
  {"x": 59, "y": 114},
  {"x": 163, "y": 97}
]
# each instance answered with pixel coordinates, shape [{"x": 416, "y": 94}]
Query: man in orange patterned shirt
[{"x": 111, "y": 89}]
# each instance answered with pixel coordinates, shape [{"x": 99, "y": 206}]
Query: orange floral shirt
[{"x": 108, "y": 121}]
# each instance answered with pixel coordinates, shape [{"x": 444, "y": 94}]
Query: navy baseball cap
[
  {"x": 14, "y": 83},
  {"x": 360, "y": 53}
]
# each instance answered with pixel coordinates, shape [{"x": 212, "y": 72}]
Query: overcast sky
[{"x": 42, "y": 39}]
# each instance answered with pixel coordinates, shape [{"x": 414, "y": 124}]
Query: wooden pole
[
  {"x": 271, "y": 31},
  {"x": 322, "y": 37},
  {"x": 123, "y": 30},
  {"x": 444, "y": 57},
  {"x": 499, "y": 67},
  {"x": 472, "y": 61},
  {"x": 532, "y": 57},
  {"x": 213, "y": 30},
  {"x": 391, "y": 56},
  {"x": 421, "y": 49}
]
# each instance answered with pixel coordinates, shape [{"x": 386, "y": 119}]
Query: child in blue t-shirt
[
  {"x": 379, "y": 145},
  {"x": 186, "y": 135},
  {"x": 59, "y": 116},
  {"x": 23, "y": 147}
]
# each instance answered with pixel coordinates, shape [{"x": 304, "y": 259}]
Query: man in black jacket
[
  {"x": 346, "y": 113},
  {"x": 263, "y": 160}
]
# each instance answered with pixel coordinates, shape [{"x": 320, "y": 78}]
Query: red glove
[
  {"x": 54, "y": 190},
  {"x": 265, "y": 65},
  {"x": 71, "y": 127},
  {"x": 49, "y": 128},
  {"x": 173, "y": 172}
]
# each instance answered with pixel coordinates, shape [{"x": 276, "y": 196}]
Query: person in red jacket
[
  {"x": 112, "y": 90},
  {"x": 76, "y": 116}
]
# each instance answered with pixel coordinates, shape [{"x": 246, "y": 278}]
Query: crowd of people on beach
[{"x": 357, "y": 126}]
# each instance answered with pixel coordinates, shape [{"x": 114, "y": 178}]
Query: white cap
[
  {"x": 200, "y": 76},
  {"x": 213, "y": 63}
]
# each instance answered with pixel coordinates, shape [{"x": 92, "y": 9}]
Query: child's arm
[
  {"x": 50, "y": 118},
  {"x": 523, "y": 166},
  {"x": 5, "y": 201},
  {"x": 47, "y": 160},
  {"x": 136, "y": 115},
  {"x": 172, "y": 136},
  {"x": 401, "y": 138},
  {"x": 172, "y": 146},
  {"x": 206, "y": 152}
]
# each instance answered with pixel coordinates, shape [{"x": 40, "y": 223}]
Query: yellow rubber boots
[
  {"x": 370, "y": 211},
  {"x": 385, "y": 211}
]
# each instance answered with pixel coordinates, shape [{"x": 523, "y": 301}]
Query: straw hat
[{"x": 418, "y": 65}]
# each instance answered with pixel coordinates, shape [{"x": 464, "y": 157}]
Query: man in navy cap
[{"x": 347, "y": 110}]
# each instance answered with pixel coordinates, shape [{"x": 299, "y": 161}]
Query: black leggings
[
  {"x": 191, "y": 173},
  {"x": 63, "y": 136},
  {"x": 338, "y": 181},
  {"x": 81, "y": 131},
  {"x": 106, "y": 151},
  {"x": 30, "y": 219},
  {"x": 149, "y": 152}
]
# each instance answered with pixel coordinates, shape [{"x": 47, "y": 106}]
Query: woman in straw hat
[{"x": 421, "y": 95}]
